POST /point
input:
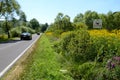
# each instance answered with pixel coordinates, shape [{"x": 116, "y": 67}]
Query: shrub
[
  {"x": 105, "y": 47},
  {"x": 106, "y": 74},
  {"x": 80, "y": 25},
  {"x": 3, "y": 36},
  {"x": 75, "y": 46},
  {"x": 80, "y": 50},
  {"x": 81, "y": 71},
  {"x": 31, "y": 30},
  {"x": 18, "y": 30}
]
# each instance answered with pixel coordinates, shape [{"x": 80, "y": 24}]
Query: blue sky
[{"x": 46, "y": 10}]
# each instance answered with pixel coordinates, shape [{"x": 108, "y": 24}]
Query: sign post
[{"x": 97, "y": 23}]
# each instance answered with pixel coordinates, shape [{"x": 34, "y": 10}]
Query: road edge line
[{"x": 13, "y": 62}]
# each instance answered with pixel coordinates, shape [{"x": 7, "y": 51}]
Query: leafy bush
[
  {"x": 75, "y": 46},
  {"x": 79, "y": 25},
  {"x": 26, "y": 29},
  {"x": 82, "y": 71},
  {"x": 18, "y": 30},
  {"x": 90, "y": 71},
  {"x": 31, "y": 30},
  {"x": 3, "y": 36},
  {"x": 105, "y": 47},
  {"x": 106, "y": 74},
  {"x": 79, "y": 47}
]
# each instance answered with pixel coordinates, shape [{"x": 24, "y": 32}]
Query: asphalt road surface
[{"x": 11, "y": 51}]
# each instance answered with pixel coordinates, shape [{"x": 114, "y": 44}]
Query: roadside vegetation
[
  {"x": 44, "y": 65},
  {"x": 89, "y": 54},
  {"x": 76, "y": 52},
  {"x": 85, "y": 56},
  {"x": 68, "y": 50}
]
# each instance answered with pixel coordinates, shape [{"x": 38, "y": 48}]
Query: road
[{"x": 11, "y": 51}]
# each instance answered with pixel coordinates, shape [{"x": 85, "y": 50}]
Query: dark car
[
  {"x": 38, "y": 33},
  {"x": 26, "y": 36}
]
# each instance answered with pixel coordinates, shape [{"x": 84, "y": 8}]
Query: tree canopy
[
  {"x": 34, "y": 24},
  {"x": 8, "y": 9},
  {"x": 62, "y": 22},
  {"x": 109, "y": 21}
]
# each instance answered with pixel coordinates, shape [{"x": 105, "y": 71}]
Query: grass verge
[{"x": 43, "y": 65}]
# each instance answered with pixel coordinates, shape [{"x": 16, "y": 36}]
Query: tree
[
  {"x": 67, "y": 25},
  {"x": 104, "y": 20},
  {"x": 58, "y": 21},
  {"x": 79, "y": 18},
  {"x": 89, "y": 17},
  {"x": 109, "y": 20},
  {"x": 9, "y": 26},
  {"x": 15, "y": 22},
  {"x": 22, "y": 18},
  {"x": 116, "y": 20},
  {"x": 62, "y": 23},
  {"x": 34, "y": 24},
  {"x": 9, "y": 8},
  {"x": 44, "y": 27}
]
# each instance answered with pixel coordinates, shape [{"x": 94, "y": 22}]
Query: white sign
[{"x": 97, "y": 23}]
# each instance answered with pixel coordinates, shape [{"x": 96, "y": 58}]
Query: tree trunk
[{"x": 8, "y": 33}]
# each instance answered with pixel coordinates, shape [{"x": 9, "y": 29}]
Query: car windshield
[{"x": 25, "y": 33}]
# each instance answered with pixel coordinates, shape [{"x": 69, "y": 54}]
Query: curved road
[{"x": 11, "y": 51}]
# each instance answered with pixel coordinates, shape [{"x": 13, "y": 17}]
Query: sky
[{"x": 45, "y": 11}]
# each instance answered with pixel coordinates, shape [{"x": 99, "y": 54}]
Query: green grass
[{"x": 43, "y": 65}]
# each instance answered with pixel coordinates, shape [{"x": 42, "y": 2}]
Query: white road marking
[{"x": 10, "y": 65}]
